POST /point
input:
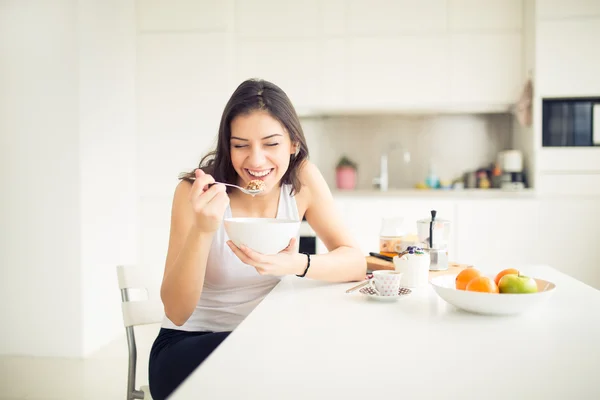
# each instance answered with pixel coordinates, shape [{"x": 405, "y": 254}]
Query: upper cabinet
[
  {"x": 363, "y": 55},
  {"x": 430, "y": 55},
  {"x": 486, "y": 61},
  {"x": 281, "y": 42},
  {"x": 395, "y": 17},
  {"x": 567, "y": 56},
  {"x": 489, "y": 15},
  {"x": 485, "y": 68},
  {"x": 183, "y": 16},
  {"x": 561, "y": 9}
]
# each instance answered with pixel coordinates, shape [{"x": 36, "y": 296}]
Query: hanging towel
[{"x": 523, "y": 108}]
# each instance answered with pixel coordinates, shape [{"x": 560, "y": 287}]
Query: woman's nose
[{"x": 257, "y": 157}]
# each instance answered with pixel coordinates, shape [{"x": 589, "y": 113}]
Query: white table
[{"x": 311, "y": 340}]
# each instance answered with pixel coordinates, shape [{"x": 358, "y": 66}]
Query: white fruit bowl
[
  {"x": 491, "y": 303},
  {"x": 263, "y": 235}
]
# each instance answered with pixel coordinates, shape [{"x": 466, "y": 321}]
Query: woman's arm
[
  {"x": 196, "y": 214},
  {"x": 344, "y": 261}
]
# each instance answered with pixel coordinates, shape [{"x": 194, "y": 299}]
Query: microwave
[{"x": 571, "y": 122}]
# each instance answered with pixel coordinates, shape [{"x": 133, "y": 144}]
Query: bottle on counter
[
  {"x": 432, "y": 180},
  {"x": 484, "y": 182},
  {"x": 496, "y": 177}
]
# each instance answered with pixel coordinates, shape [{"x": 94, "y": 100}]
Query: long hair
[{"x": 254, "y": 95}]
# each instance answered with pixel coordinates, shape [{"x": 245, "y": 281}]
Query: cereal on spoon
[{"x": 256, "y": 184}]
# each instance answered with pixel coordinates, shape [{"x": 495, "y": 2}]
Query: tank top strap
[{"x": 287, "y": 208}]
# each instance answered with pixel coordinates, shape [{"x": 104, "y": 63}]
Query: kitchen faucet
[{"x": 382, "y": 181}]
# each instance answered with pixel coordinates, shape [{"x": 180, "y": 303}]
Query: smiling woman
[
  {"x": 209, "y": 284},
  {"x": 258, "y": 111}
]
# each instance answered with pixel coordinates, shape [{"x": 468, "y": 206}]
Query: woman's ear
[{"x": 295, "y": 149}]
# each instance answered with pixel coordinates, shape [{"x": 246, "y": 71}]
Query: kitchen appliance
[
  {"x": 511, "y": 166},
  {"x": 434, "y": 235},
  {"x": 571, "y": 122}
]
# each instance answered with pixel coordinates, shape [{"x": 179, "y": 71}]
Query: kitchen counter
[
  {"x": 311, "y": 340},
  {"x": 438, "y": 193}
]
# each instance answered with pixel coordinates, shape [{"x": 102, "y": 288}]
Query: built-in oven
[
  {"x": 571, "y": 122},
  {"x": 308, "y": 238}
]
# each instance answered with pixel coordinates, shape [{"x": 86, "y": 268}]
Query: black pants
[{"x": 175, "y": 355}]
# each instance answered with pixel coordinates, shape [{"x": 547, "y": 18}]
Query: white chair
[{"x": 142, "y": 311}]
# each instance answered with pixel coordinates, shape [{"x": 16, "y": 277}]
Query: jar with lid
[{"x": 390, "y": 236}]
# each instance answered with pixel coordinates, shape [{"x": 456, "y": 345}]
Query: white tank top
[{"x": 231, "y": 288}]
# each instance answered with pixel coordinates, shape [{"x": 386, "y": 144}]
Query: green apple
[{"x": 517, "y": 284}]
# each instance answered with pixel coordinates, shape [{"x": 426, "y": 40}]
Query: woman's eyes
[{"x": 239, "y": 146}]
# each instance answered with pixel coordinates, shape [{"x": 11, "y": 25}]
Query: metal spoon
[{"x": 251, "y": 192}]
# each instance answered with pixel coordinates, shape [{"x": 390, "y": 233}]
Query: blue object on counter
[{"x": 432, "y": 179}]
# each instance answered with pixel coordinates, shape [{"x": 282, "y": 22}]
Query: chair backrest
[{"x": 137, "y": 309}]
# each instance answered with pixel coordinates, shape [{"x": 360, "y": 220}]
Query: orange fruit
[
  {"x": 482, "y": 284},
  {"x": 465, "y": 276},
  {"x": 508, "y": 271}
]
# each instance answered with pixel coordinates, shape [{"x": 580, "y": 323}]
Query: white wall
[
  {"x": 40, "y": 257},
  {"x": 184, "y": 77},
  {"x": 68, "y": 194},
  {"x": 108, "y": 155}
]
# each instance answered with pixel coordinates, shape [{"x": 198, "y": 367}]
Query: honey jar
[{"x": 390, "y": 236}]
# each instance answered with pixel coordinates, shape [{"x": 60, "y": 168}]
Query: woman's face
[{"x": 260, "y": 149}]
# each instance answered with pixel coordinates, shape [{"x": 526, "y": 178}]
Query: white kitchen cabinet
[
  {"x": 569, "y": 230},
  {"x": 358, "y": 55},
  {"x": 292, "y": 64},
  {"x": 497, "y": 233},
  {"x": 560, "y": 231},
  {"x": 403, "y": 71},
  {"x": 567, "y": 57},
  {"x": 560, "y": 184},
  {"x": 487, "y": 15},
  {"x": 486, "y": 68},
  {"x": 184, "y": 15},
  {"x": 393, "y": 17},
  {"x": 276, "y": 19},
  {"x": 334, "y": 19},
  {"x": 335, "y": 68},
  {"x": 562, "y": 9},
  {"x": 569, "y": 160}
]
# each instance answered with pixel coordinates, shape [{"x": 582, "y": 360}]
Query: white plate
[
  {"x": 370, "y": 293},
  {"x": 491, "y": 303}
]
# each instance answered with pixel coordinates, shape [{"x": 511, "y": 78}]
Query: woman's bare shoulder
[
  {"x": 311, "y": 177},
  {"x": 183, "y": 187},
  {"x": 181, "y": 195},
  {"x": 314, "y": 186}
]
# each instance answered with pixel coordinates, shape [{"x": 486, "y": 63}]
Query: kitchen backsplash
[{"x": 453, "y": 143}]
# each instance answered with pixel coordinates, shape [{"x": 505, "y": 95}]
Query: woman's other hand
[{"x": 286, "y": 262}]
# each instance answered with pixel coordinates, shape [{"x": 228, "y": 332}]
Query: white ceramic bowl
[
  {"x": 491, "y": 303},
  {"x": 264, "y": 235}
]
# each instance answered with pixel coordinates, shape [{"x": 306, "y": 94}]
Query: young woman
[{"x": 210, "y": 285}]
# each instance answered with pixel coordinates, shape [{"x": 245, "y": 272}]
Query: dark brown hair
[{"x": 254, "y": 95}]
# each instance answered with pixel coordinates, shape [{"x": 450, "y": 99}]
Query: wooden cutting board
[{"x": 374, "y": 264}]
